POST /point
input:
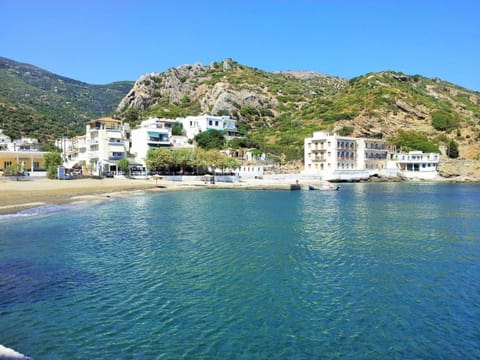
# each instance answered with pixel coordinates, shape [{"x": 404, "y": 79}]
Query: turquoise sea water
[{"x": 374, "y": 271}]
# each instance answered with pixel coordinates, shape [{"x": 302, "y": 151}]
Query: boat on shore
[{"x": 324, "y": 187}]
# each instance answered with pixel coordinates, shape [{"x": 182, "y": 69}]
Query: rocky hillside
[
  {"x": 38, "y": 103},
  {"x": 279, "y": 109}
]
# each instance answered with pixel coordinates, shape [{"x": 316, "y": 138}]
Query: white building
[
  {"x": 193, "y": 125},
  {"x": 180, "y": 142},
  {"x": 151, "y": 134},
  {"x": 24, "y": 144},
  {"x": 332, "y": 156},
  {"x": 4, "y": 141},
  {"x": 74, "y": 150},
  {"x": 415, "y": 164},
  {"x": 106, "y": 143}
]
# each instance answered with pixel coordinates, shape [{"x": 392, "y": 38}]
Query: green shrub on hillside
[
  {"x": 444, "y": 121},
  {"x": 413, "y": 140},
  {"x": 346, "y": 131}
]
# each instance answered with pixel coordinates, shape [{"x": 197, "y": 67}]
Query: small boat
[{"x": 324, "y": 187}]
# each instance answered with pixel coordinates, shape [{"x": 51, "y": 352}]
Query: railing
[
  {"x": 346, "y": 157},
  {"x": 116, "y": 157}
]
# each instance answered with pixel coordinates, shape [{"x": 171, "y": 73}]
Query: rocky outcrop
[
  {"x": 459, "y": 170},
  {"x": 410, "y": 109},
  {"x": 171, "y": 86},
  {"x": 215, "y": 94}
]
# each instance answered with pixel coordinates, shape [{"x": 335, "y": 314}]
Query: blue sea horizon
[{"x": 373, "y": 271}]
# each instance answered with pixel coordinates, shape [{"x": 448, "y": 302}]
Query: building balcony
[
  {"x": 319, "y": 149},
  {"x": 158, "y": 143},
  {"x": 116, "y": 157},
  {"x": 157, "y": 139},
  {"x": 92, "y": 155},
  {"x": 319, "y": 159},
  {"x": 348, "y": 158}
]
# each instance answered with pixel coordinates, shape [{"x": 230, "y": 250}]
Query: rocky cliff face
[{"x": 220, "y": 88}]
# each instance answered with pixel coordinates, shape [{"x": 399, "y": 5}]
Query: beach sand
[
  {"x": 28, "y": 193},
  {"x": 23, "y": 194}
]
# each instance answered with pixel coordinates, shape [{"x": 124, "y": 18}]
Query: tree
[
  {"x": 200, "y": 160},
  {"x": 243, "y": 142},
  {"x": 124, "y": 166},
  {"x": 14, "y": 169},
  {"x": 177, "y": 128},
  {"x": 158, "y": 159},
  {"x": 132, "y": 115},
  {"x": 211, "y": 139},
  {"x": 52, "y": 161},
  {"x": 50, "y": 147},
  {"x": 182, "y": 158},
  {"x": 452, "y": 150}
]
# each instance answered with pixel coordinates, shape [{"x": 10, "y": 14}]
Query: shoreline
[{"x": 16, "y": 196}]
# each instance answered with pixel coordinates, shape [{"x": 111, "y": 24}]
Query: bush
[
  {"x": 211, "y": 139},
  {"x": 443, "y": 120},
  {"x": 52, "y": 161},
  {"x": 413, "y": 140},
  {"x": 346, "y": 131}
]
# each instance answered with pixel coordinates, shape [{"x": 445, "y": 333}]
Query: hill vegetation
[
  {"x": 278, "y": 110},
  {"x": 275, "y": 111},
  {"x": 38, "y": 103}
]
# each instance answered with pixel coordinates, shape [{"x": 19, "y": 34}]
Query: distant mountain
[
  {"x": 35, "y": 102},
  {"x": 278, "y": 110}
]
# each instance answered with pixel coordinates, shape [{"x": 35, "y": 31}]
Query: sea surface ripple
[{"x": 374, "y": 271}]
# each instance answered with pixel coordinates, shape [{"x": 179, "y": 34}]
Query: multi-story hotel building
[
  {"x": 328, "y": 153},
  {"x": 106, "y": 143},
  {"x": 151, "y": 134},
  {"x": 335, "y": 157}
]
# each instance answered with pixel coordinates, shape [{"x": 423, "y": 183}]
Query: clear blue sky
[{"x": 100, "y": 41}]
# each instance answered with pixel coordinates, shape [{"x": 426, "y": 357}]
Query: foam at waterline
[
  {"x": 10, "y": 354},
  {"x": 46, "y": 210}
]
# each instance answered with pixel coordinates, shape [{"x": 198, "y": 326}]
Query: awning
[{"x": 157, "y": 133}]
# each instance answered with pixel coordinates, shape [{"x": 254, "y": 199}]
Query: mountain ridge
[
  {"x": 40, "y": 103},
  {"x": 276, "y": 109}
]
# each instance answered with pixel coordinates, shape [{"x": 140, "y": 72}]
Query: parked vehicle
[{"x": 108, "y": 174}]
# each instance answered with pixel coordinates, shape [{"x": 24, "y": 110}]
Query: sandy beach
[
  {"x": 19, "y": 195},
  {"x": 23, "y": 194}
]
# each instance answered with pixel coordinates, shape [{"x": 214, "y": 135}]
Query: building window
[
  {"x": 216, "y": 123},
  {"x": 210, "y": 122},
  {"x": 7, "y": 164},
  {"x": 36, "y": 165}
]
